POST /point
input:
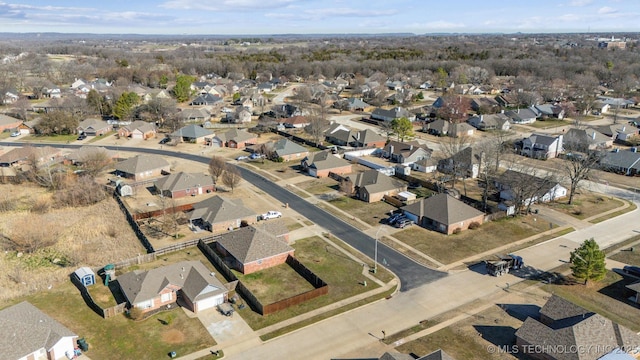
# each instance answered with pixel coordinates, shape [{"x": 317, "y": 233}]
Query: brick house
[
  {"x": 183, "y": 184},
  {"x": 143, "y": 167},
  {"x": 7, "y": 123},
  {"x": 218, "y": 214},
  {"x": 443, "y": 213},
  {"x": 321, "y": 163},
  {"x": 138, "y": 130},
  {"x": 94, "y": 127},
  {"x": 234, "y": 138},
  {"x": 252, "y": 249},
  {"x": 372, "y": 186}
]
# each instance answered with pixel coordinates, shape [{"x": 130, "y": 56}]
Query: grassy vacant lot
[
  {"x": 605, "y": 298},
  {"x": 319, "y": 186},
  {"x": 283, "y": 170},
  {"x": 586, "y": 205},
  {"x": 275, "y": 283},
  {"x": 371, "y": 213},
  {"x": 451, "y": 248},
  {"x": 343, "y": 275},
  {"x": 119, "y": 337}
]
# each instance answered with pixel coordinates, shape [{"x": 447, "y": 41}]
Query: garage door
[{"x": 210, "y": 302}]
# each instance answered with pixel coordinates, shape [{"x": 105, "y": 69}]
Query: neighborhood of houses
[{"x": 355, "y": 156}]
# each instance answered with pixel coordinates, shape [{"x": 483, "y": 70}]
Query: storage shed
[{"x": 86, "y": 275}]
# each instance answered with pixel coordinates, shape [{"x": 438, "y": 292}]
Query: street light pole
[{"x": 375, "y": 253}]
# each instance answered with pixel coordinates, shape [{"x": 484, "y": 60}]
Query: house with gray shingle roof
[
  {"x": 564, "y": 325},
  {"x": 218, "y": 214},
  {"x": 159, "y": 287},
  {"x": 443, "y": 213},
  {"x": 436, "y": 355},
  {"x": 94, "y": 127},
  {"x": 373, "y": 185},
  {"x": 84, "y": 153},
  {"x": 28, "y": 333},
  {"x": 498, "y": 121},
  {"x": 195, "y": 134},
  {"x": 234, "y": 138},
  {"x": 621, "y": 132},
  {"x": 465, "y": 163},
  {"x": 522, "y": 116},
  {"x": 442, "y": 127},
  {"x": 391, "y": 114},
  {"x": 406, "y": 152},
  {"x": 183, "y": 184},
  {"x": 198, "y": 115},
  {"x": 206, "y": 100},
  {"x": 252, "y": 249},
  {"x": 7, "y": 123},
  {"x": 626, "y": 162},
  {"x": 542, "y": 146},
  {"x": 143, "y": 167},
  {"x": 583, "y": 140},
  {"x": 288, "y": 150},
  {"x": 367, "y": 138},
  {"x": 321, "y": 163}
]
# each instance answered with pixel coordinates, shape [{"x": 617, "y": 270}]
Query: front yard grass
[
  {"x": 319, "y": 186},
  {"x": 549, "y": 123},
  {"x": 119, "y": 337},
  {"x": 605, "y": 297},
  {"x": 371, "y": 213},
  {"x": 341, "y": 273},
  {"x": 51, "y": 138},
  {"x": 450, "y": 248},
  {"x": 627, "y": 257},
  {"x": 275, "y": 283},
  {"x": 586, "y": 205}
]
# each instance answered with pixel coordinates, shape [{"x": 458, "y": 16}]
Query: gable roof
[
  {"x": 437, "y": 355},
  {"x": 140, "y": 125},
  {"x": 192, "y": 131},
  {"x": 218, "y": 209},
  {"x": 443, "y": 208},
  {"x": 585, "y": 137},
  {"x": 366, "y": 136},
  {"x": 284, "y": 147},
  {"x": 237, "y": 135},
  {"x": 87, "y": 152},
  {"x": 27, "y": 329},
  {"x": 95, "y": 124},
  {"x": 517, "y": 177},
  {"x": 542, "y": 139},
  {"x": 192, "y": 277},
  {"x": 8, "y": 120},
  {"x": 520, "y": 115},
  {"x": 621, "y": 160},
  {"x": 249, "y": 244},
  {"x": 182, "y": 181},
  {"x": 191, "y": 113},
  {"x": 23, "y": 153},
  {"x": 323, "y": 160},
  {"x": 141, "y": 163},
  {"x": 374, "y": 181}
]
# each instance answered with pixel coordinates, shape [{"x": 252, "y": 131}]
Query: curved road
[{"x": 410, "y": 273}]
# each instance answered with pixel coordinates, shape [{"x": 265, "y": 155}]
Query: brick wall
[{"x": 266, "y": 263}]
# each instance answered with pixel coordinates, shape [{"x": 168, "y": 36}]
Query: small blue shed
[{"x": 86, "y": 275}]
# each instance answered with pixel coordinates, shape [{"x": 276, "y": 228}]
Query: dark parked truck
[{"x": 503, "y": 264}]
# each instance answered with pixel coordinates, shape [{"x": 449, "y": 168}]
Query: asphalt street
[{"x": 410, "y": 273}]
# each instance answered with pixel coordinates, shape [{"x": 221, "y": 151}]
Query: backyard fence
[{"x": 86, "y": 296}]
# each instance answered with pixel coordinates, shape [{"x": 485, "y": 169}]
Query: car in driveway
[
  {"x": 15, "y": 134},
  {"x": 242, "y": 158},
  {"x": 165, "y": 140},
  {"x": 254, "y": 156},
  {"x": 395, "y": 218},
  {"x": 82, "y": 136},
  {"x": 271, "y": 215},
  {"x": 632, "y": 270},
  {"x": 403, "y": 223}
]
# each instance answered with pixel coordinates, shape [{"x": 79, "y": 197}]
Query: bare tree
[
  {"x": 578, "y": 167},
  {"x": 454, "y": 162},
  {"x": 93, "y": 163},
  {"x": 231, "y": 177},
  {"x": 526, "y": 184},
  {"x": 217, "y": 166}
]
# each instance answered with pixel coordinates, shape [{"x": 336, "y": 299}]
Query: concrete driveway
[{"x": 226, "y": 329}]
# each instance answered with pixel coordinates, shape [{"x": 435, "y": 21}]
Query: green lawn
[
  {"x": 119, "y": 337},
  {"x": 450, "y": 248},
  {"x": 343, "y": 275},
  {"x": 546, "y": 124}
]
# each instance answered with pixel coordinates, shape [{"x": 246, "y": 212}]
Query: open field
[
  {"x": 119, "y": 337},
  {"x": 451, "y": 248}
]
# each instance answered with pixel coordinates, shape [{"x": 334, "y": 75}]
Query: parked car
[
  {"x": 15, "y": 134},
  {"x": 271, "y": 215},
  {"x": 242, "y": 158},
  {"x": 254, "y": 156},
  {"x": 403, "y": 223},
  {"x": 165, "y": 140},
  {"x": 395, "y": 218},
  {"x": 82, "y": 136},
  {"x": 632, "y": 270}
]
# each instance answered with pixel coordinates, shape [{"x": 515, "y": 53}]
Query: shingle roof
[
  {"x": 367, "y": 136},
  {"x": 237, "y": 135},
  {"x": 86, "y": 152},
  {"x": 218, "y": 209},
  {"x": 443, "y": 208},
  {"x": 373, "y": 181},
  {"x": 8, "y": 120},
  {"x": 93, "y": 123},
  {"x": 285, "y": 147},
  {"x": 542, "y": 139},
  {"x": 249, "y": 244},
  {"x": 192, "y": 132},
  {"x": 392, "y": 355},
  {"x": 183, "y": 181},
  {"x": 621, "y": 159},
  {"x": 437, "y": 355},
  {"x": 323, "y": 160},
  {"x": 141, "y": 163},
  {"x": 23, "y": 153},
  {"x": 26, "y": 329},
  {"x": 192, "y": 277},
  {"x": 141, "y": 126}
]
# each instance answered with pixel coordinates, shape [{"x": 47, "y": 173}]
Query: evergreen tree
[{"x": 588, "y": 262}]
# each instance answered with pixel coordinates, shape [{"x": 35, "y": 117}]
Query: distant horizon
[{"x": 324, "y": 17}]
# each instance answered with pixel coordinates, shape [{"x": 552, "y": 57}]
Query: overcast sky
[{"x": 246, "y": 17}]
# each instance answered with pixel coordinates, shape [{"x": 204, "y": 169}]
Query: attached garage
[{"x": 209, "y": 302}]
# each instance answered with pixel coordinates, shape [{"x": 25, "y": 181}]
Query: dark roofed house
[
  {"x": 143, "y": 167},
  {"x": 218, "y": 214},
  {"x": 465, "y": 163},
  {"x": 490, "y": 122},
  {"x": 28, "y": 333},
  {"x": 153, "y": 289},
  {"x": 626, "y": 162},
  {"x": 367, "y": 138},
  {"x": 583, "y": 140},
  {"x": 442, "y": 127},
  {"x": 372, "y": 186},
  {"x": 390, "y": 114},
  {"x": 436, "y": 355},
  {"x": 192, "y": 133},
  {"x": 522, "y": 116},
  {"x": 620, "y": 132},
  {"x": 443, "y": 213},
  {"x": 206, "y": 99},
  {"x": 485, "y": 104},
  {"x": 253, "y": 249},
  {"x": 564, "y": 325},
  {"x": 183, "y": 184},
  {"x": 321, "y": 163},
  {"x": 406, "y": 152},
  {"x": 341, "y": 137}
]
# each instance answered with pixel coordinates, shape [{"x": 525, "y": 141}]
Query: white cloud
[
  {"x": 226, "y": 5},
  {"x": 580, "y": 3},
  {"x": 607, "y": 10}
]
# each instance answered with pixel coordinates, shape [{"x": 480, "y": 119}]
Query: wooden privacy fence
[{"x": 86, "y": 296}]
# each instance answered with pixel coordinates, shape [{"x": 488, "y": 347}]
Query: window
[{"x": 165, "y": 297}]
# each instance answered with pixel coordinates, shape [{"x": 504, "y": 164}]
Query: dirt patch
[{"x": 173, "y": 336}]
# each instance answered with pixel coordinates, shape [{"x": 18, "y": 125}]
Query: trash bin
[
  {"x": 172, "y": 354},
  {"x": 82, "y": 344}
]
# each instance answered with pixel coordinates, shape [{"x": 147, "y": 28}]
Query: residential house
[
  {"x": 635, "y": 290},
  {"x": 321, "y": 163},
  {"x": 391, "y": 114},
  {"x": 549, "y": 111},
  {"x": 142, "y": 167},
  {"x": 23, "y": 155},
  {"x": 443, "y": 213},
  {"x": 138, "y": 130},
  {"x": 28, "y": 127},
  {"x": 241, "y": 115},
  {"x": 484, "y": 104},
  {"x": 296, "y": 122},
  {"x": 447, "y": 128},
  {"x": 372, "y": 186},
  {"x": 94, "y": 127},
  {"x": 624, "y": 162},
  {"x": 614, "y": 103},
  {"x": 195, "y": 134},
  {"x": 406, "y": 152},
  {"x": 466, "y": 163},
  {"x": 436, "y": 355},
  {"x": 28, "y": 333},
  {"x": 252, "y": 249},
  {"x": 245, "y": 102},
  {"x": 193, "y": 282},
  {"x": 183, "y": 184},
  {"x": 584, "y": 140},
  {"x": 206, "y": 100},
  {"x": 218, "y": 214},
  {"x": 507, "y": 100},
  {"x": 367, "y": 138},
  {"x": 234, "y": 138},
  {"x": 352, "y": 104},
  {"x": 542, "y": 146},
  {"x": 197, "y": 115},
  {"x": 8, "y": 123},
  {"x": 522, "y": 116},
  {"x": 340, "y": 137},
  {"x": 287, "y": 110},
  {"x": 89, "y": 153},
  {"x": 498, "y": 121},
  {"x": 564, "y": 325},
  {"x": 287, "y": 150},
  {"x": 547, "y": 190},
  {"x": 266, "y": 87},
  {"x": 334, "y": 126},
  {"x": 618, "y": 132},
  {"x": 428, "y": 165}
]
